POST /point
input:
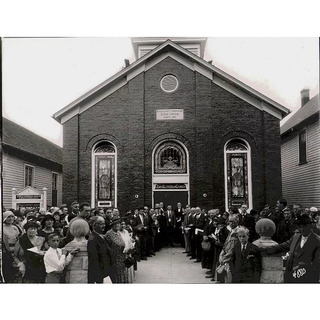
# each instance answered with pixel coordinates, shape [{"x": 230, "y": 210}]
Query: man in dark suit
[
  {"x": 170, "y": 225},
  {"x": 179, "y": 219},
  {"x": 139, "y": 225},
  {"x": 285, "y": 228},
  {"x": 100, "y": 264},
  {"x": 246, "y": 261},
  {"x": 248, "y": 221},
  {"x": 303, "y": 264}
]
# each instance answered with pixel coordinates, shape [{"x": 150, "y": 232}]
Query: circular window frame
[{"x": 169, "y": 91}]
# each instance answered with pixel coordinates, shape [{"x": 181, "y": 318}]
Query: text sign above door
[{"x": 169, "y": 114}]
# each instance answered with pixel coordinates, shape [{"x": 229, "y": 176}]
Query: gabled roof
[
  {"x": 18, "y": 137},
  {"x": 310, "y": 108},
  {"x": 173, "y": 50}
]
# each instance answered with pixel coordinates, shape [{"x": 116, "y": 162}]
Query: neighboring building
[
  {"x": 172, "y": 127},
  {"x": 300, "y": 154},
  {"x": 29, "y": 160}
]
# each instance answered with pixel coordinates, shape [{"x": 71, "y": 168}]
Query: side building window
[
  {"x": 104, "y": 175},
  {"x": 238, "y": 173},
  {"x": 28, "y": 175},
  {"x": 302, "y": 146},
  {"x": 54, "y": 189}
]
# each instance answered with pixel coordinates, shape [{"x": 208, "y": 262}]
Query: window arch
[
  {"x": 238, "y": 187},
  {"x": 170, "y": 157},
  {"x": 104, "y": 175}
]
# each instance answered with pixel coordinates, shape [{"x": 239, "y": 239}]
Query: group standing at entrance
[{"x": 86, "y": 245}]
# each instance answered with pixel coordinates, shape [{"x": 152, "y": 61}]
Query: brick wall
[{"x": 212, "y": 116}]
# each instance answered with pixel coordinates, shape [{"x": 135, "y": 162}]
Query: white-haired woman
[{"x": 77, "y": 270}]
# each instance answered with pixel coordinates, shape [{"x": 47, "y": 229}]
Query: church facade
[{"x": 172, "y": 127}]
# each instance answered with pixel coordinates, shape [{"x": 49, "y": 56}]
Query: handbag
[
  {"x": 206, "y": 245},
  {"x": 128, "y": 262},
  {"x": 220, "y": 268}
]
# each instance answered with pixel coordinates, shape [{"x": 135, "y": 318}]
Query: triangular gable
[
  {"x": 183, "y": 56},
  {"x": 29, "y": 191}
]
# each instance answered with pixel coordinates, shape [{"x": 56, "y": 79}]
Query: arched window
[
  {"x": 238, "y": 173},
  {"x": 170, "y": 157},
  {"x": 104, "y": 175}
]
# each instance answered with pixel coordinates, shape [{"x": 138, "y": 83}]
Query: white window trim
[
  {"x": 24, "y": 174},
  {"x": 185, "y": 178},
  {"x": 300, "y": 163},
  {"x": 248, "y": 151},
  {"x": 93, "y": 175},
  {"x": 53, "y": 172}
]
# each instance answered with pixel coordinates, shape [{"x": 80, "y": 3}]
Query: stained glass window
[
  {"x": 237, "y": 172},
  {"x": 170, "y": 157},
  {"x": 105, "y": 175}
]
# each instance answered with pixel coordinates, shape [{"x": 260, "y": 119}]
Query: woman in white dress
[{"x": 129, "y": 247}]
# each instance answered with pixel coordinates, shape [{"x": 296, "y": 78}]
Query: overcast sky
[{"x": 43, "y": 75}]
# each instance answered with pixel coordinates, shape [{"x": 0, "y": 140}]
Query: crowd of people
[{"x": 84, "y": 245}]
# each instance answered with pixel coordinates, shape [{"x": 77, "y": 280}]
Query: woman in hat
[
  {"x": 47, "y": 226},
  {"x": 117, "y": 246},
  {"x": 30, "y": 262},
  {"x": 11, "y": 234}
]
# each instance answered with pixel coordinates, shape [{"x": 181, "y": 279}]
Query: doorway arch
[{"x": 170, "y": 173}]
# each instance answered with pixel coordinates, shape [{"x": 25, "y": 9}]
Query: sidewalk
[{"x": 170, "y": 265}]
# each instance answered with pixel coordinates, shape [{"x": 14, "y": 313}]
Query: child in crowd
[{"x": 55, "y": 259}]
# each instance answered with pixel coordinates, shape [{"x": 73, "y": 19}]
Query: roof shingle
[{"x": 23, "y": 139}]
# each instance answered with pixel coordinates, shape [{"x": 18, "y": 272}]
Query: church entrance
[
  {"x": 171, "y": 198},
  {"x": 170, "y": 178}
]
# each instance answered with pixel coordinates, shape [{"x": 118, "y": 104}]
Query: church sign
[
  {"x": 169, "y": 114},
  {"x": 29, "y": 197}
]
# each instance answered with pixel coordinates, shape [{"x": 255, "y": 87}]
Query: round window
[{"x": 169, "y": 83}]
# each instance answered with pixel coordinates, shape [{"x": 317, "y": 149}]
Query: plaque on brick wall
[{"x": 169, "y": 114}]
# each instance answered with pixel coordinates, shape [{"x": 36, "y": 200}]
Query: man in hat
[{"x": 303, "y": 264}]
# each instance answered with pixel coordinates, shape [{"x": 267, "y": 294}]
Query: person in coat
[
  {"x": 246, "y": 260},
  {"x": 303, "y": 263},
  {"x": 100, "y": 262}
]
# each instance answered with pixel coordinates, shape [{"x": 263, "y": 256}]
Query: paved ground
[{"x": 170, "y": 265}]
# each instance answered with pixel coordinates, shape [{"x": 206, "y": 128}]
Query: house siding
[
  {"x": 13, "y": 177},
  {"x": 301, "y": 181}
]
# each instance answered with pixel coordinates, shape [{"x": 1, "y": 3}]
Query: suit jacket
[
  {"x": 100, "y": 262},
  {"x": 307, "y": 257},
  {"x": 137, "y": 224},
  {"x": 179, "y": 215},
  {"x": 246, "y": 265},
  {"x": 200, "y": 221},
  {"x": 170, "y": 221}
]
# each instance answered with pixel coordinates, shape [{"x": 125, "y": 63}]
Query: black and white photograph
[
  {"x": 169, "y": 150},
  {"x": 160, "y": 160}
]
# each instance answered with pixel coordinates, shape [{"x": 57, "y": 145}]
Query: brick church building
[{"x": 171, "y": 127}]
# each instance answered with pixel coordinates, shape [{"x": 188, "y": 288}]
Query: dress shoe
[
  {"x": 209, "y": 276},
  {"x": 214, "y": 280},
  {"x": 191, "y": 258},
  {"x": 189, "y": 255},
  {"x": 185, "y": 252},
  {"x": 209, "y": 272},
  {"x": 197, "y": 261},
  {"x": 144, "y": 258}
]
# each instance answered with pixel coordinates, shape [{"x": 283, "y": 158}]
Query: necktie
[
  {"x": 58, "y": 254},
  {"x": 303, "y": 241}
]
